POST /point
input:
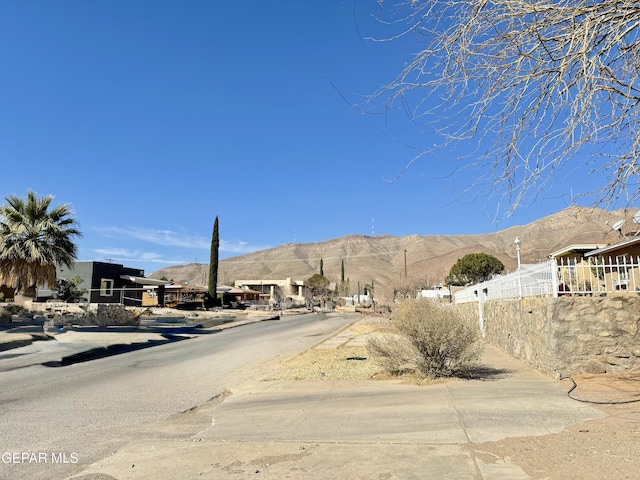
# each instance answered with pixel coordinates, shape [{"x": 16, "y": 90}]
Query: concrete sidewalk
[{"x": 357, "y": 430}]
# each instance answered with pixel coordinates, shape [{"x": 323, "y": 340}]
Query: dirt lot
[{"x": 608, "y": 448}]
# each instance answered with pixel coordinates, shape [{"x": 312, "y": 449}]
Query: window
[
  {"x": 572, "y": 266},
  {"x": 106, "y": 287},
  {"x": 622, "y": 268}
]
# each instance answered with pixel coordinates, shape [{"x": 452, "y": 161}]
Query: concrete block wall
[{"x": 566, "y": 334}]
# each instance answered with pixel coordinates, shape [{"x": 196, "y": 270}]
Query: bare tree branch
[{"x": 538, "y": 84}]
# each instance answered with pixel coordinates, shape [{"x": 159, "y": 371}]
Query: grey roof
[{"x": 615, "y": 246}]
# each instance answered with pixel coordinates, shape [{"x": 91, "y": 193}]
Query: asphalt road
[{"x": 78, "y": 413}]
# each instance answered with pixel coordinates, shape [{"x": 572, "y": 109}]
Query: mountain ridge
[{"x": 381, "y": 259}]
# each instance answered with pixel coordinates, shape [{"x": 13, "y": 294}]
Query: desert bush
[
  {"x": 109, "y": 314},
  {"x": 393, "y": 352},
  {"x": 70, "y": 291},
  {"x": 429, "y": 338},
  {"x": 15, "y": 310}
]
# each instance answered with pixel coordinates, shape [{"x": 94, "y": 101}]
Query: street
[{"x": 55, "y": 419}]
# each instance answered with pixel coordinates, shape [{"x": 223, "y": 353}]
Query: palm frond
[{"x": 34, "y": 239}]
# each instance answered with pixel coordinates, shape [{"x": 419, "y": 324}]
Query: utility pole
[{"x": 405, "y": 265}]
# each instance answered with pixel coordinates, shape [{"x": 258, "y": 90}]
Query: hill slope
[{"x": 428, "y": 258}]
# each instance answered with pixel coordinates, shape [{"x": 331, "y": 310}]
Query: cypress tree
[
  {"x": 321, "y": 267},
  {"x": 213, "y": 263},
  {"x": 342, "y": 274}
]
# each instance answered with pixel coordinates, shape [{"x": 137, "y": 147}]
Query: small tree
[
  {"x": 319, "y": 284},
  {"x": 344, "y": 288},
  {"x": 474, "y": 268},
  {"x": 321, "y": 267},
  {"x": 280, "y": 298},
  {"x": 430, "y": 338},
  {"x": 69, "y": 291}
]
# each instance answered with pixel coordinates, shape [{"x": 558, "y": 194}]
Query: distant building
[
  {"x": 295, "y": 290},
  {"x": 438, "y": 293},
  {"x": 234, "y": 294}
]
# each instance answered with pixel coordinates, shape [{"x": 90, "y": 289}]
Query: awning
[{"x": 145, "y": 281}]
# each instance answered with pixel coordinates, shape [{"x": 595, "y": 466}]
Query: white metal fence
[
  {"x": 598, "y": 275},
  {"x": 530, "y": 280},
  {"x": 566, "y": 276}
]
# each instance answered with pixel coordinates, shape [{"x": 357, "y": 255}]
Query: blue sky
[{"x": 152, "y": 117}]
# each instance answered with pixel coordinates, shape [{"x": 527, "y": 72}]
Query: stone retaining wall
[{"x": 566, "y": 334}]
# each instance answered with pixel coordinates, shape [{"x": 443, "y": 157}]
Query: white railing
[
  {"x": 598, "y": 275},
  {"x": 529, "y": 281},
  {"x": 561, "y": 277}
]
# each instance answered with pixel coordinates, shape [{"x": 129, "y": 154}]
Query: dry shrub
[
  {"x": 110, "y": 315},
  {"x": 393, "y": 352},
  {"x": 431, "y": 338}
]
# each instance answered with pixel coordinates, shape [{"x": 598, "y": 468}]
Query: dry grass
[
  {"x": 371, "y": 324},
  {"x": 333, "y": 364},
  {"x": 328, "y": 364}
]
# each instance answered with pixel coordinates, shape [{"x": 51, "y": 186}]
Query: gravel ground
[{"x": 328, "y": 364}]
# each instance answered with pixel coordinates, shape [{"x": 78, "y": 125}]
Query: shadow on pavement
[
  {"x": 117, "y": 349},
  {"x": 487, "y": 373}
]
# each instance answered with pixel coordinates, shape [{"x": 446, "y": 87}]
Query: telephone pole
[{"x": 405, "y": 264}]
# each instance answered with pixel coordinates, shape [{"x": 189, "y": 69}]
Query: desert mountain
[{"x": 381, "y": 259}]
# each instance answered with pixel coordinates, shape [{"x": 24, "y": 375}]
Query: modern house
[{"x": 110, "y": 282}]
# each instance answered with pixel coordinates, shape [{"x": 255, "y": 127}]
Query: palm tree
[{"x": 34, "y": 240}]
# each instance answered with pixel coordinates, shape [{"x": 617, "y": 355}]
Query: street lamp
[{"x": 516, "y": 242}]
